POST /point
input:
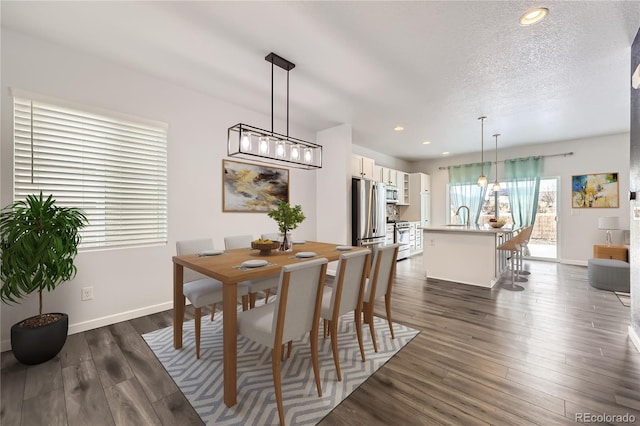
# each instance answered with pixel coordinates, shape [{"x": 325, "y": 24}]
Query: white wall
[
  {"x": 132, "y": 282},
  {"x": 578, "y": 228},
  {"x": 382, "y": 159},
  {"x": 334, "y": 185}
]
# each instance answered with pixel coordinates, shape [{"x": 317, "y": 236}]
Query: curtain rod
[{"x": 564, "y": 154}]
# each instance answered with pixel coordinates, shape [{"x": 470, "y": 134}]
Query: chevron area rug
[{"x": 201, "y": 380}]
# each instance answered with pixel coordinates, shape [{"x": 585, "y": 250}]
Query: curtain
[
  {"x": 522, "y": 176},
  {"x": 464, "y": 189}
]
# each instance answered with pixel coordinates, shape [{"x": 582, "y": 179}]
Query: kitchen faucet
[{"x": 468, "y": 214}]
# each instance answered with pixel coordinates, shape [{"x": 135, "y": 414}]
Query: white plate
[
  {"x": 304, "y": 254},
  {"x": 254, "y": 263},
  {"x": 299, "y": 242},
  {"x": 344, "y": 248},
  {"x": 213, "y": 252}
]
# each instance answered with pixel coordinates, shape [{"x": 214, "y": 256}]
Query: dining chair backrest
[
  {"x": 273, "y": 236},
  {"x": 193, "y": 247},
  {"x": 350, "y": 279},
  {"x": 299, "y": 299},
  {"x": 383, "y": 269},
  {"x": 238, "y": 241}
]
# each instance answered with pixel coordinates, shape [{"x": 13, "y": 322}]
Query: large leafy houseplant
[
  {"x": 287, "y": 218},
  {"x": 38, "y": 244}
]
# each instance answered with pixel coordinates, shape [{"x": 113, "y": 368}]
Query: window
[{"x": 113, "y": 168}]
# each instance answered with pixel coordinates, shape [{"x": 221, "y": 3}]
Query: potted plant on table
[
  {"x": 38, "y": 244},
  {"x": 287, "y": 218}
]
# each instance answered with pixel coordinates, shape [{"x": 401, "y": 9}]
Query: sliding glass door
[{"x": 544, "y": 238}]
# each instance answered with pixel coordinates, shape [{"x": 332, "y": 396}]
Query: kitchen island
[{"x": 465, "y": 254}]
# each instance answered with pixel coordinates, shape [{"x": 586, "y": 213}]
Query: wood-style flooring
[{"x": 557, "y": 350}]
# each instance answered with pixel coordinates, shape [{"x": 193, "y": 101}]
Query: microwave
[{"x": 392, "y": 194}]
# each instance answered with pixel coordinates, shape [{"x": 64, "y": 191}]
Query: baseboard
[
  {"x": 635, "y": 338},
  {"x": 5, "y": 345}
]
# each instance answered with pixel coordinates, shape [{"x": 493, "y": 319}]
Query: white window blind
[{"x": 114, "y": 169}]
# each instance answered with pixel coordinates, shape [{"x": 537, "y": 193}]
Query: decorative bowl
[
  {"x": 265, "y": 247},
  {"x": 498, "y": 224}
]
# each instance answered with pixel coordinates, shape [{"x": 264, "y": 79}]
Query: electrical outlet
[{"x": 87, "y": 293}]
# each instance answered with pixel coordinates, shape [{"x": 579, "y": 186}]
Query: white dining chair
[
  {"x": 272, "y": 236},
  {"x": 259, "y": 284},
  {"x": 346, "y": 295},
  {"x": 380, "y": 284},
  {"x": 295, "y": 313},
  {"x": 199, "y": 289}
]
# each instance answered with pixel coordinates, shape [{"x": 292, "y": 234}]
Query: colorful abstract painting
[
  {"x": 252, "y": 187},
  {"x": 596, "y": 190}
]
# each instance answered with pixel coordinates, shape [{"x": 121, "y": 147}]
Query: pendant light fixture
[
  {"x": 482, "y": 180},
  {"x": 496, "y": 184},
  {"x": 253, "y": 143}
]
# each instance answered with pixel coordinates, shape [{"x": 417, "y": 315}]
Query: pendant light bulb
[{"x": 482, "y": 180}]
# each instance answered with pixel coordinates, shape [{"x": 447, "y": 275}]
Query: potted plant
[
  {"x": 38, "y": 243},
  {"x": 287, "y": 218}
]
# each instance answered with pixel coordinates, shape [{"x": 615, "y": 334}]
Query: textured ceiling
[{"x": 432, "y": 67}]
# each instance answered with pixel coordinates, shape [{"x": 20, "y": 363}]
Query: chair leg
[
  {"x": 325, "y": 328},
  {"x": 313, "y": 337},
  {"x": 334, "y": 348},
  {"x": 368, "y": 318},
  {"x": 358, "y": 317},
  {"x": 277, "y": 384},
  {"x": 289, "y": 346},
  {"x": 213, "y": 311},
  {"x": 387, "y": 305},
  {"x": 266, "y": 295},
  {"x": 245, "y": 302},
  {"x": 198, "y": 313},
  {"x": 252, "y": 300}
]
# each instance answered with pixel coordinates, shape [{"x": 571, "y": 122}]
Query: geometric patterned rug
[
  {"x": 624, "y": 297},
  {"x": 201, "y": 380}
]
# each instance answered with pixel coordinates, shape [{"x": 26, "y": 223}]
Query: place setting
[
  {"x": 212, "y": 252},
  {"x": 304, "y": 255},
  {"x": 252, "y": 264}
]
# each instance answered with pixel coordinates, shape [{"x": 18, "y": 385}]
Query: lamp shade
[{"x": 611, "y": 222}]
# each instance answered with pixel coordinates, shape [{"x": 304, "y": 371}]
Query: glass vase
[{"x": 286, "y": 244}]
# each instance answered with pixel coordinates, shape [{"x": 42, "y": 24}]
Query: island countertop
[{"x": 474, "y": 229}]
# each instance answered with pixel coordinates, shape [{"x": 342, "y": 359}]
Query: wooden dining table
[{"x": 226, "y": 267}]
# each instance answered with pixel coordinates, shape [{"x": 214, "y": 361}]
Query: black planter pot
[{"x": 35, "y": 345}]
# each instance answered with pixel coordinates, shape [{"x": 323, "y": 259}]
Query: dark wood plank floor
[{"x": 484, "y": 356}]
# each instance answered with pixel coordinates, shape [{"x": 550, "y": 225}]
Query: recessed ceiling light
[
  {"x": 445, "y": 153},
  {"x": 426, "y": 142},
  {"x": 533, "y": 16},
  {"x": 398, "y": 128}
]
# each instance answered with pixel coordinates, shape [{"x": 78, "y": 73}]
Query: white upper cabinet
[
  {"x": 403, "y": 185},
  {"x": 389, "y": 176},
  {"x": 362, "y": 167},
  {"x": 419, "y": 203}
]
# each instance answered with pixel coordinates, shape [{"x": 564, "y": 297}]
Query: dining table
[{"x": 227, "y": 267}]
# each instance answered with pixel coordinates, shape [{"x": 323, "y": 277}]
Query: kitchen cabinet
[
  {"x": 419, "y": 203},
  {"x": 362, "y": 166},
  {"x": 403, "y": 185},
  {"x": 415, "y": 238},
  {"x": 389, "y": 176}
]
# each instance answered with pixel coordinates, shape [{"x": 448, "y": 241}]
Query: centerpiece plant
[
  {"x": 288, "y": 218},
  {"x": 38, "y": 243}
]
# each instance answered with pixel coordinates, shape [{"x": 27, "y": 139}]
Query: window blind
[{"x": 114, "y": 169}]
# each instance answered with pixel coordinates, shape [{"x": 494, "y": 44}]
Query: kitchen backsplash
[{"x": 392, "y": 212}]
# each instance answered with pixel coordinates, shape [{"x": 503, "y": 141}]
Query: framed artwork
[
  {"x": 252, "y": 188},
  {"x": 596, "y": 190}
]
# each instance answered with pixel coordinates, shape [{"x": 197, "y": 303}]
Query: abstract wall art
[
  {"x": 252, "y": 187},
  {"x": 595, "y": 190}
]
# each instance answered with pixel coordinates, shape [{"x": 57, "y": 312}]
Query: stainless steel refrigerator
[{"x": 369, "y": 213}]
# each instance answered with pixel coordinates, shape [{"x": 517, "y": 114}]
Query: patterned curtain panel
[
  {"x": 523, "y": 184},
  {"x": 464, "y": 189}
]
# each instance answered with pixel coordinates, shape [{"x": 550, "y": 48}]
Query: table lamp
[{"x": 609, "y": 224}]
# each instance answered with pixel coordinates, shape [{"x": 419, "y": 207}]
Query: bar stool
[
  {"x": 527, "y": 235},
  {"x": 514, "y": 245}
]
